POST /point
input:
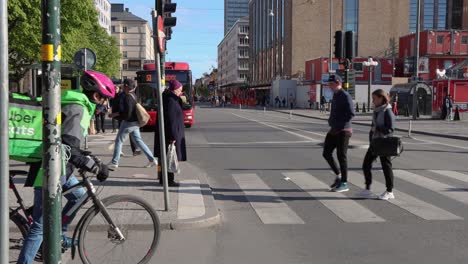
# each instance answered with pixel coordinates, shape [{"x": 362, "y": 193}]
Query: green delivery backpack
[{"x": 25, "y": 128}]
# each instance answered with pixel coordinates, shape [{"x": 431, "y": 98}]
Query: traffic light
[
  {"x": 339, "y": 44},
  {"x": 169, "y": 21},
  {"x": 350, "y": 45}
]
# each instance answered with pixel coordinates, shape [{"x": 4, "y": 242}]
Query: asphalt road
[{"x": 269, "y": 181}]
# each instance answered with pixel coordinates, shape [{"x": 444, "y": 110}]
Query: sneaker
[
  {"x": 343, "y": 187},
  {"x": 137, "y": 153},
  {"x": 335, "y": 184},
  {"x": 386, "y": 196},
  {"x": 152, "y": 163},
  {"x": 112, "y": 165},
  {"x": 366, "y": 194},
  {"x": 68, "y": 242}
]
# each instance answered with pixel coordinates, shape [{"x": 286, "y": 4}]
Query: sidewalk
[
  {"x": 191, "y": 205},
  {"x": 423, "y": 126}
]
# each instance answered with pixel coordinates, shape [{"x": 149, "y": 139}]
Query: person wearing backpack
[
  {"x": 130, "y": 126},
  {"x": 383, "y": 125},
  {"x": 77, "y": 110}
]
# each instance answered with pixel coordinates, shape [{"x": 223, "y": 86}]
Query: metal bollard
[{"x": 410, "y": 128}]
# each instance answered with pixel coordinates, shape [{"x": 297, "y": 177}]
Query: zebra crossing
[{"x": 347, "y": 207}]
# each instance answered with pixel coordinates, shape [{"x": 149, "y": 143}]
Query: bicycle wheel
[
  {"x": 137, "y": 221},
  {"x": 18, "y": 228}
]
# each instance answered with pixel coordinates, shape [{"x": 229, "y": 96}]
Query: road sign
[
  {"x": 85, "y": 59},
  {"x": 211, "y": 87},
  {"x": 161, "y": 35}
]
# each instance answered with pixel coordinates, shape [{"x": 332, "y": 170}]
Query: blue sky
[{"x": 195, "y": 39}]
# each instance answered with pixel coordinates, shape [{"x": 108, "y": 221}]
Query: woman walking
[
  {"x": 173, "y": 126},
  {"x": 383, "y": 125}
]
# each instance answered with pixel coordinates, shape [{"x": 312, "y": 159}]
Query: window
[
  {"x": 465, "y": 40},
  {"x": 124, "y": 66},
  {"x": 440, "y": 39},
  {"x": 124, "y": 42},
  {"x": 124, "y": 54},
  {"x": 124, "y": 29},
  {"x": 357, "y": 66},
  {"x": 113, "y": 29}
]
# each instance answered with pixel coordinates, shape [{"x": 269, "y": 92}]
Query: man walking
[
  {"x": 131, "y": 126},
  {"x": 341, "y": 114}
]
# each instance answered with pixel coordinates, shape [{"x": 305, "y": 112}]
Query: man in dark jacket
[
  {"x": 130, "y": 125},
  {"x": 116, "y": 105},
  {"x": 341, "y": 114},
  {"x": 173, "y": 126}
]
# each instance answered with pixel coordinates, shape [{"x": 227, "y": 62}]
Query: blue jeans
[
  {"x": 33, "y": 241},
  {"x": 125, "y": 129}
]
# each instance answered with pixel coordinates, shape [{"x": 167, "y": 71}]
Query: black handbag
[{"x": 387, "y": 147}]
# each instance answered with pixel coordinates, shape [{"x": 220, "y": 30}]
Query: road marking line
[
  {"x": 435, "y": 186},
  {"x": 442, "y": 144},
  {"x": 270, "y": 208},
  {"x": 452, "y": 174},
  {"x": 191, "y": 204},
  {"x": 262, "y": 142},
  {"x": 407, "y": 202},
  {"x": 346, "y": 209},
  {"x": 279, "y": 128}
]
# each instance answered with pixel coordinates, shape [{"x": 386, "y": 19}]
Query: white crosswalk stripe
[
  {"x": 348, "y": 210},
  {"x": 452, "y": 174},
  {"x": 436, "y": 186},
  {"x": 270, "y": 208},
  {"x": 407, "y": 202}
]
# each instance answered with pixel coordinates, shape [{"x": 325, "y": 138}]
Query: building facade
[
  {"x": 135, "y": 40},
  {"x": 284, "y": 34},
  {"x": 103, "y": 8},
  {"x": 440, "y": 14},
  {"x": 233, "y": 11},
  {"x": 233, "y": 56}
]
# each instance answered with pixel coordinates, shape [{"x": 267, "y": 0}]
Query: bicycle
[{"x": 107, "y": 229}]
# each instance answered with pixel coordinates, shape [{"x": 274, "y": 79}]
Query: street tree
[{"x": 79, "y": 27}]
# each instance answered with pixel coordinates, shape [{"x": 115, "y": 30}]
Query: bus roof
[{"x": 179, "y": 66}]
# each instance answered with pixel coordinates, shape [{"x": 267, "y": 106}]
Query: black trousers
[
  {"x": 386, "y": 166},
  {"x": 100, "y": 122},
  {"x": 339, "y": 142},
  {"x": 170, "y": 177}
]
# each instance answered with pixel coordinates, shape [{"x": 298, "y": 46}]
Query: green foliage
[{"x": 79, "y": 27}]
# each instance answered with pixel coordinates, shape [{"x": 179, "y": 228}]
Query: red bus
[{"x": 147, "y": 95}]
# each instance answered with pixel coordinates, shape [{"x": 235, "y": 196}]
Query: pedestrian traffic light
[
  {"x": 350, "y": 45},
  {"x": 339, "y": 44},
  {"x": 169, "y": 21}
]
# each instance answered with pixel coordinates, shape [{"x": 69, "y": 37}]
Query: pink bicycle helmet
[{"x": 98, "y": 82}]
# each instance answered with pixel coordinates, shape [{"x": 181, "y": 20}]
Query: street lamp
[{"x": 370, "y": 64}]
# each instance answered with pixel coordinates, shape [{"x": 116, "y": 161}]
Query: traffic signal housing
[
  {"x": 339, "y": 44},
  {"x": 169, "y": 21},
  {"x": 350, "y": 40}
]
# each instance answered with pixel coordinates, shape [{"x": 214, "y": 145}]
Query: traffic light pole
[
  {"x": 416, "y": 61},
  {"x": 52, "y": 153},
  {"x": 4, "y": 156},
  {"x": 159, "y": 90},
  {"x": 346, "y": 77}
]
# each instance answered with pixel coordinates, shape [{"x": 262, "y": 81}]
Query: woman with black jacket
[
  {"x": 173, "y": 125},
  {"x": 383, "y": 125}
]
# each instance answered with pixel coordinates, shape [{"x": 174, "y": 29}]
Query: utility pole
[
  {"x": 52, "y": 161},
  {"x": 160, "y": 83},
  {"x": 4, "y": 156},
  {"x": 330, "y": 58},
  {"x": 416, "y": 61}
]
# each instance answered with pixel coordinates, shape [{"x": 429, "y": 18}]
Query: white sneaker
[
  {"x": 152, "y": 163},
  {"x": 386, "y": 196},
  {"x": 112, "y": 165},
  {"x": 366, "y": 194}
]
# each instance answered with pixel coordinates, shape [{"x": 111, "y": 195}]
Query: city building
[
  {"x": 135, "y": 40},
  {"x": 103, "y": 8},
  {"x": 440, "y": 14},
  {"x": 284, "y": 34},
  {"x": 233, "y": 11},
  {"x": 233, "y": 56}
]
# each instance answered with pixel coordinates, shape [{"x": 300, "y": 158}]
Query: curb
[
  {"x": 397, "y": 129},
  {"x": 211, "y": 217}
]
